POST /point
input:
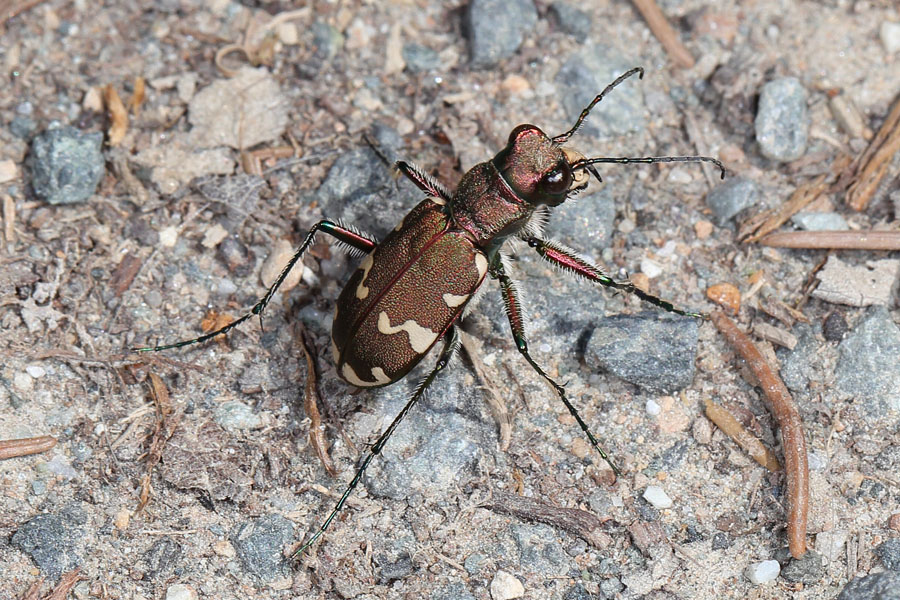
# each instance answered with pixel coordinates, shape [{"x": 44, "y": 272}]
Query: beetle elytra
[{"x": 412, "y": 287}]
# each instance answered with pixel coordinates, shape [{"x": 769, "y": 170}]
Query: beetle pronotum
[{"x": 412, "y": 287}]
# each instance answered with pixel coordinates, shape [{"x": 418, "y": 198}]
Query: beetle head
[{"x": 537, "y": 168}]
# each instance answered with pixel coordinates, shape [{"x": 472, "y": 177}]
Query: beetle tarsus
[
  {"x": 451, "y": 344},
  {"x": 342, "y": 234},
  {"x": 514, "y": 311}
]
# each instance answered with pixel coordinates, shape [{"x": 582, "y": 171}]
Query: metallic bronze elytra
[{"x": 412, "y": 287}]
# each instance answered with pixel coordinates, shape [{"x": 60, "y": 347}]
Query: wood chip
[
  {"x": 863, "y": 285},
  {"x": 8, "y": 170},
  {"x": 725, "y": 295},
  {"x": 775, "y": 335},
  {"x": 125, "y": 273},
  {"x": 871, "y": 166},
  {"x": 118, "y": 116}
]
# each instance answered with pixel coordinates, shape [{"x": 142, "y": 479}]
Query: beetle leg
[
  {"x": 568, "y": 260},
  {"x": 514, "y": 313},
  {"x": 451, "y": 344},
  {"x": 423, "y": 180},
  {"x": 344, "y": 235}
]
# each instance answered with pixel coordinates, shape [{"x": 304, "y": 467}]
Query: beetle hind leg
[
  {"x": 514, "y": 313},
  {"x": 423, "y": 180},
  {"x": 345, "y": 235},
  {"x": 451, "y": 344}
]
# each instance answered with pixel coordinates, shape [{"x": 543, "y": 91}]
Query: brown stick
[
  {"x": 801, "y": 197},
  {"x": 25, "y": 446},
  {"x": 65, "y": 585},
  {"x": 311, "y": 401},
  {"x": 834, "y": 240},
  {"x": 872, "y": 166},
  {"x": 788, "y": 418},
  {"x": 725, "y": 421},
  {"x": 660, "y": 27},
  {"x": 580, "y": 522}
]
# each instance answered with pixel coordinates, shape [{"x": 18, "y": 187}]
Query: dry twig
[
  {"x": 834, "y": 240},
  {"x": 788, "y": 418},
  {"x": 862, "y": 178},
  {"x": 725, "y": 421},
  {"x": 25, "y": 446},
  {"x": 311, "y": 400},
  {"x": 580, "y": 522},
  {"x": 65, "y": 585},
  {"x": 660, "y": 27},
  {"x": 801, "y": 198}
]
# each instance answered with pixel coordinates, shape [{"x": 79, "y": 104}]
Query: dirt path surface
[{"x": 159, "y": 162}]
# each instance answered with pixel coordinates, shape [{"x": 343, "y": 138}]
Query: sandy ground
[{"x": 188, "y": 473}]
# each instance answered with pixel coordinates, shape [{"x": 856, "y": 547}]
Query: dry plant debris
[
  {"x": 312, "y": 399},
  {"x": 863, "y": 285},
  {"x": 862, "y": 178},
  {"x": 751, "y": 444},
  {"x": 834, "y": 240},
  {"x": 25, "y": 446},
  {"x": 788, "y": 418}
]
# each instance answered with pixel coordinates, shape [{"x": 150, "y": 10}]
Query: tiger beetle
[{"x": 412, "y": 287}]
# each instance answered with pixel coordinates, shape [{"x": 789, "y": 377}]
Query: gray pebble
[
  {"x": 889, "y": 553},
  {"x": 454, "y": 591},
  {"x": 22, "y": 127},
  {"x": 813, "y": 221},
  {"x": 584, "y": 75},
  {"x": 571, "y": 19},
  {"x": 577, "y": 592},
  {"x": 162, "y": 558},
  {"x": 66, "y": 165},
  {"x": 880, "y": 586},
  {"x": 234, "y": 415},
  {"x": 808, "y": 569},
  {"x": 796, "y": 364},
  {"x": 653, "y": 351},
  {"x": 585, "y": 223},
  {"x": 867, "y": 366},
  {"x": 393, "y": 568},
  {"x": 731, "y": 197},
  {"x": 259, "y": 545},
  {"x": 496, "y": 28},
  {"x": 782, "y": 120},
  {"x": 419, "y": 58},
  {"x": 54, "y": 540}
]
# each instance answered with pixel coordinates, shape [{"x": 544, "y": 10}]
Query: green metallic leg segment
[
  {"x": 451, "y": 344},
  {"x": 513, "y": 307},
  {"x": 569, "y": 261},
  {"x": 343, "y": 234}
]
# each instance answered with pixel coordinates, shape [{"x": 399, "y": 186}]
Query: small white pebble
[
  {"x": 656, "y": 496},
  {"x": 23, "y": 382},
  {"x": 890, "y": 36},
  {"x": 651, "y": 268},
  {"x": 763, "y": 572},
  {"x": 180, "y": 591},
  {"x": 626, "y": 226},
  {"x": 506, "y": 587},
  {"x": 168, "y": 237},
  {"x": 680, "y": 175},
  {"x": 35, "y": 371},
  {"x": 652, "y": 408}
]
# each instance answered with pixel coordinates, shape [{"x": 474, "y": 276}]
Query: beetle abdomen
[{"x": 403, "y": 297}]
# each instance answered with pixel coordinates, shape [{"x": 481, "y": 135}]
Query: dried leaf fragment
[{"x": 118, "y": 116}]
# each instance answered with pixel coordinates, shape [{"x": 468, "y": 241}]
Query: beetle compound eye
[{"x": 558, "y": 181}]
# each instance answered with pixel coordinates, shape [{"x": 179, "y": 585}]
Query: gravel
[{"x": 782, "y": 120}]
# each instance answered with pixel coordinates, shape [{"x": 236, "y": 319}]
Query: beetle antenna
[
  {"x": 562, "y": 138},
  {"x": 585, "y": 163}
]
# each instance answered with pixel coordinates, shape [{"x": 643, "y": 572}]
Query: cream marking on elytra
[
  {"x": 452, "y": 300},
  {"x": 361, "y": 290},
  {"x": 481, "y": 265},
  {"x": 377, "y": 372},
  {"x": 437, "y": 200},
  {"x": 380, "y": 376},
  {"x": 335, "y": 352},
  {"x": 420, "y": 338}
]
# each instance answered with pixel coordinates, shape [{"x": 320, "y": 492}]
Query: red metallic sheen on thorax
[
  {"x": 404, "y": 296},
  {"x": 486, "y": 207}
]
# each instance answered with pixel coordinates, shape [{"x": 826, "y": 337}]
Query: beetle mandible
[{"x": 412, "y": 287}]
